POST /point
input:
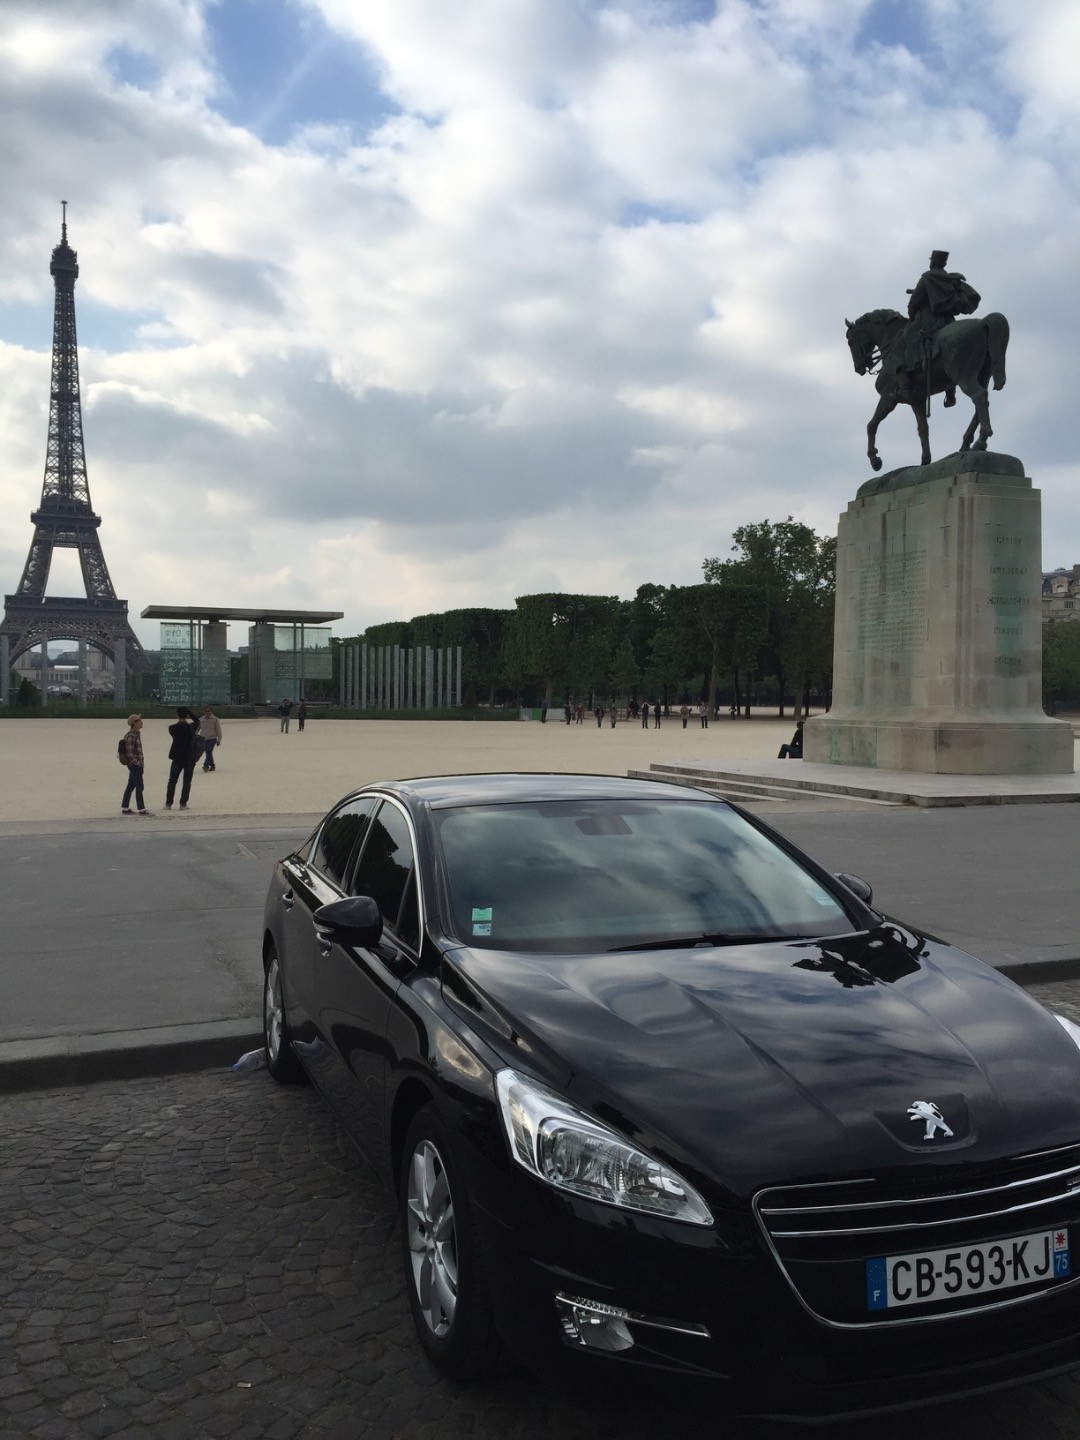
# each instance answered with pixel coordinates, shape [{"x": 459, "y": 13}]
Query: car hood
[{"x": 792, "y": 1059}]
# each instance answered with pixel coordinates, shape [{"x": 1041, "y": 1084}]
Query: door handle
[{"x": 287, "y": 900}]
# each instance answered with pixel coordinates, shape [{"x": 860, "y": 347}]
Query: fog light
[
  {"x": 607, "y": 1327},
  {"x": 599, "y": 1327}
]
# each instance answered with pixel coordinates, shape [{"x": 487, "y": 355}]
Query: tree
[
  {"x": 624, "y": 673},
  {"x": 1061, "y": 663},
  {"x": 481, "y": 633},
  {"x": 788, "y": 573},
  {"x": 644, "y": 617},
  {"x": 666, "y": 659},
  {"x": 565, "y": 640}
]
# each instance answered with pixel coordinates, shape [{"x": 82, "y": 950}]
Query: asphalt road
[
  {"x": 131, "y": 929},
  {"x": 202, "y": 1256},
  {"x": 997, "y": 880}
]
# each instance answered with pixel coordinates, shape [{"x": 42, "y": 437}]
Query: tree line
[{"x": 758, "y": 625}]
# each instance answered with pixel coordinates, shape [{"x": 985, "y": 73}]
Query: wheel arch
[{"x": 411, "y": 1097}]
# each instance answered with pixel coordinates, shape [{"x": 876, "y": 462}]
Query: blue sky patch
[
  {"x": 283, "y": 69},
  {"x": 133, "y": 67}
]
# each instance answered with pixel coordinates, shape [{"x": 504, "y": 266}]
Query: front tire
[
  {"x": 281, "y": 1058},
  {"x": 443, "y": 1260}
]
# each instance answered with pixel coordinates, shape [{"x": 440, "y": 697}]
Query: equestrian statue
[{"x": 930, "y": 353}]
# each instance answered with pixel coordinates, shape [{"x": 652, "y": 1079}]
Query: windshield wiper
[{"x": 687, "y": 942}]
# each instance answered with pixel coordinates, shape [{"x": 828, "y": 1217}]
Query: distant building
[
  {"x": 62, "y": 676},
  {"x": 1061, "y": 595}
]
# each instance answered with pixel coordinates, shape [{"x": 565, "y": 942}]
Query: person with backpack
[
  {"x": 183, "y": 752},
  {"x": 130, "y": 753}
]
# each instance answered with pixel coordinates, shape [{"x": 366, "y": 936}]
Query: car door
[
  {"x": 355, "y": 985},
  {"x": 314, "y": 877}
]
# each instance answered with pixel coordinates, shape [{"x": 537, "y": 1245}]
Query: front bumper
[{"x": 709, "y": 1309}]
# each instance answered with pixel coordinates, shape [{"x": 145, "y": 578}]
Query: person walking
[
  {"x": 543, "y": 710},
  {"x": 656, "y": 714},
  {"x": 703, "y": 715},
  {"x": 301, "y": 714},
  {"x": 210, "y": 732},
  {"x": 135, "y": 765},
  {"x": 599, "y": 713},
  {"x": 645, "y": 715},
  {"x": 579, "y": 713},
  {"x": 285, "y": 710},
  {"x": 684, "y": 713},
  {"x": 182, "y": 756},
  {"x": 568, "y": 712}
]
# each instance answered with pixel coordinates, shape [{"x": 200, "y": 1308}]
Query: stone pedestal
[{"x": 938, "y": 643}]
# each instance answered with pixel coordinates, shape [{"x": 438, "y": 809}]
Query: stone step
[
  {"x": 730, "y": 789},
  {"x": 742, "y": 787}
]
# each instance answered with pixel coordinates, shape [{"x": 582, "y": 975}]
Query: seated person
[{"x": 793, "y": 750}]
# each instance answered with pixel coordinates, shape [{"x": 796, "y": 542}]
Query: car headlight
[
  {"x": 1071, "y": 1029},
  {"x": 571, "y": 1151}
]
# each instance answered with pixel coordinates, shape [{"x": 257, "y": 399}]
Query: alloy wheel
[
  {"x": 273, "y": 1010},
  {"x": 432, "y": 1239}
]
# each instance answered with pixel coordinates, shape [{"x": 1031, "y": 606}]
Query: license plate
[{"x": 936, "y": 1275}]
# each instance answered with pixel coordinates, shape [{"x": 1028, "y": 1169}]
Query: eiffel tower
[{"x": 66, "y": 518}]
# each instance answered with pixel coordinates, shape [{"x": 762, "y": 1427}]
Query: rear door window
[
  {"x": 386, "y": 872},
  {"x": 339, "y": 838}
]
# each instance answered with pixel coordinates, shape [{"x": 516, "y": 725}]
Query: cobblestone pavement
[{"x": 202, "y": 1256}]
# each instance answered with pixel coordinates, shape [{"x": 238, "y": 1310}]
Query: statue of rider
[{"x": 936, "y": 300}]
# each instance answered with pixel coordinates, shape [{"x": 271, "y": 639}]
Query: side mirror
[
  {"x": 859, "y": 888},
  {"x": 357, "y": 920}
]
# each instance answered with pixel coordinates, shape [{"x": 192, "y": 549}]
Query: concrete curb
[{"x": 55, "y": 1061}]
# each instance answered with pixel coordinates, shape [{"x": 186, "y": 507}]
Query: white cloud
[{"x": 566, "y": 318}]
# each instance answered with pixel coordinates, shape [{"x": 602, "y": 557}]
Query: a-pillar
[{"x": 120, "y": 675}]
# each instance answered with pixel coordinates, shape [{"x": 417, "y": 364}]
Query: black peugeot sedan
[{"x": 657, "y": 1093}]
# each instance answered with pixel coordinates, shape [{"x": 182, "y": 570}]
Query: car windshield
[{"x": 595, "y": 875}]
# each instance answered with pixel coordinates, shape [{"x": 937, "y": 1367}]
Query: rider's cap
[{"x": 939, "y": 257}]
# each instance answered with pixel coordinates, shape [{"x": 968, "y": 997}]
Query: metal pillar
[{"x": 120, "y": 674}]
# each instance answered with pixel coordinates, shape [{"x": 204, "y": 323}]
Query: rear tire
[
  {"x": 281, "y": 1058},
  {"x": 443, "y": 1261}
]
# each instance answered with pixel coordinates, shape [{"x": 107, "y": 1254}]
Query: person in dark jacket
[
  {"x": 182, "y": 756},
  {"x": 793, "y": 750}
]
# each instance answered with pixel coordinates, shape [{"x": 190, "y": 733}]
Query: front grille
[{"x": 822, "y": 1234}]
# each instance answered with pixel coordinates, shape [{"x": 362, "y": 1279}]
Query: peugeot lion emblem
[{"x": 928, "y": 1111}]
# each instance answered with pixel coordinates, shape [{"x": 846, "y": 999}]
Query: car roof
[{"x": 441, "y": 791}]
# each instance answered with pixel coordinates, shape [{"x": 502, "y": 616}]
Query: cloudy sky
[{"x": 392, "y": 306}]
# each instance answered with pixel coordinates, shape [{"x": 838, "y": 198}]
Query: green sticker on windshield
[{"x": 481, "y": 913}]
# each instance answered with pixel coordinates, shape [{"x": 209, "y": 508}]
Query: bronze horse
[{"x": 969, "y": 354}]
